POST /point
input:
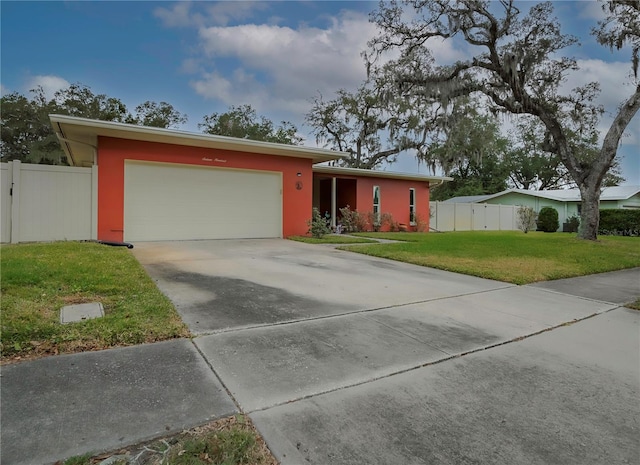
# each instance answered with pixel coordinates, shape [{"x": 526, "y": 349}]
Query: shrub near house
[
  {"x": 318, "y": 225},
  {"x": 548, "y": 220},
  {"x": 619, "y": 222}
]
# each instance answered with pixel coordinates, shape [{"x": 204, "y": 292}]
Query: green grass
[
  {"x": 635, "y": 305},
  {"x": 229, "y": 441},
  {"x": 509, "y": 256},
  {"x": 79, "y": 460},
  {"x": 332, "y": 239},
  {"x": 225, "y": 447},
  {"x": 39, "y": 279}
]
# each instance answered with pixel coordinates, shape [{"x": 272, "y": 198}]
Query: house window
[
  {"x": 412, "y": 207},
  {"x": 376, "y": 201}
]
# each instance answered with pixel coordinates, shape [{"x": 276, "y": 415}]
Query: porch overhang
[{"x": 335, "y": 171}]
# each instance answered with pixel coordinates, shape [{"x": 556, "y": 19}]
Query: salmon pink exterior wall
[
  {"x": 112, "y": 153},
  {"x": 394, "y": 198}
]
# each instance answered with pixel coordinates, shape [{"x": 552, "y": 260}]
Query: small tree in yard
[
  {"x": 526, "y": 219},
  {"x": 318, "y": 226},
  {"x": 548, "y": 220}
]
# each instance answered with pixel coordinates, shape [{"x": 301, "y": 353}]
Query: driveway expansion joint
[
  {"x": 215, "y": 373},
  {"x": 425, "y": 365},
  {"x": 337, "y": 315}
]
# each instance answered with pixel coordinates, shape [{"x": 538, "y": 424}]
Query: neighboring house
[
  {"x": 162, "y": 184},
  {"x": 565, "y": 201}
]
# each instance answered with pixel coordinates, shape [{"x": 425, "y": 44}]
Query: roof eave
[
  {"x": 89, "y": 130},
  {"x": 334, "y": 170}
]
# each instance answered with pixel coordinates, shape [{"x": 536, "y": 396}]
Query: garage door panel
[{"x": 183, "y": 202}]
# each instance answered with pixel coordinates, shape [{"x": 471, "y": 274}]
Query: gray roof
[
  {"x": 469, "y": 199},
  {"x": 560, "y": 195}
]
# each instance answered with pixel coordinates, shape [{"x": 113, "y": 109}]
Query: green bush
[
  {"x": 619, "y": 222},
  {"x": 352, "y": 220},
  {"x": 572, "y": 224},
  {"x": 318, "y": 226},
  {"x": 378, "y": 222},
  {"x": 548, "y": 220}
]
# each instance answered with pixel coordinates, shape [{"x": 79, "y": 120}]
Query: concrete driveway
[
  {"x": 222, "y": 285},
  {"x": 342, "y": 358}
]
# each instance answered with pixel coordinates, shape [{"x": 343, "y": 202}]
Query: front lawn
[
  {"x": 332, "y": 239},
  {"x": 509, "y": 256},
  {"x": 39, "y": 279}
]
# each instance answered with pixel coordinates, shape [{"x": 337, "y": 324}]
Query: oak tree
[
  {"x": 371, "y": 124},
  {"x": 26, "y": 132},
  {"x": 519, "y": 68},
  {"x": 243, "y": 122},
  {"x": 157, "y": 115}
]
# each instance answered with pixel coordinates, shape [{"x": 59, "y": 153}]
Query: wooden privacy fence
[
  {"x": 47, "y": 203},
  {"x": 447, "y": 216}
]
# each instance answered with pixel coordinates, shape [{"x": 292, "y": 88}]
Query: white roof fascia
[
  {"x": 81, "y": 134},
  {"x": 336, "y": 171}
]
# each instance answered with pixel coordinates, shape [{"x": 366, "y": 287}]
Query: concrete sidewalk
[
  {"x": 67, "y": 405},
  {"x": 567, "y": 396},
  {"x": 620, "y": 287},
  {"x": 273, "y": 365},
  {"x": 487, "y": 376}
]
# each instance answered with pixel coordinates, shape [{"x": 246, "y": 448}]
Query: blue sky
[{"x": 203, "y": 57}]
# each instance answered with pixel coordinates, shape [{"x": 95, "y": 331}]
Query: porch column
[{"x": 333, "y": 202}]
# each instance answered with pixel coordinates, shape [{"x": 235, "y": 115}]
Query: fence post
[
  {"x": 435, "y": 216},
  {"x": 94, "y": 202},
  {"x": 15, "y": 201}
]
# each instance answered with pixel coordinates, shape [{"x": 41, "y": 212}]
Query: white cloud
[
  {"x": 288, "y": 66},
  {"x": 3, "y": 90},
  {"x": 50, "y": 84},
  {"x": 179, "y": 15},
  {"x": 240, "y": 88},
  {"x": 212, "y": 85},
  {"x": 220, "y": 13},
  {"x": 591, "y": 10},
  {"x": 614, "y": 79},
  {"x": 616, "y": 87}
]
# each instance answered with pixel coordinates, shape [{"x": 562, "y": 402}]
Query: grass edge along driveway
[
  {"x": 508, "y": 256},
  {"x": 39, "y": 279}
]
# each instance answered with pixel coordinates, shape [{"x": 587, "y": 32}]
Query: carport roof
[
  {"x": 79, "y": 140},
  {"x": 341, "y": 171}
]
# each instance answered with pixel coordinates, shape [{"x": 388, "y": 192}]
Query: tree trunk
[
  {"x": 590, "y": 211},
  {"x": 590, "y": 184}
]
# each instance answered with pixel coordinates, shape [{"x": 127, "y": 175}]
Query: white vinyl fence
[
  {"x": 447, "y": 216},
  {"x": 47, "y": 203}
]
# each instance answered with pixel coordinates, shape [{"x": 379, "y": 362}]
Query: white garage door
[{"x": 164, "y": 201}]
